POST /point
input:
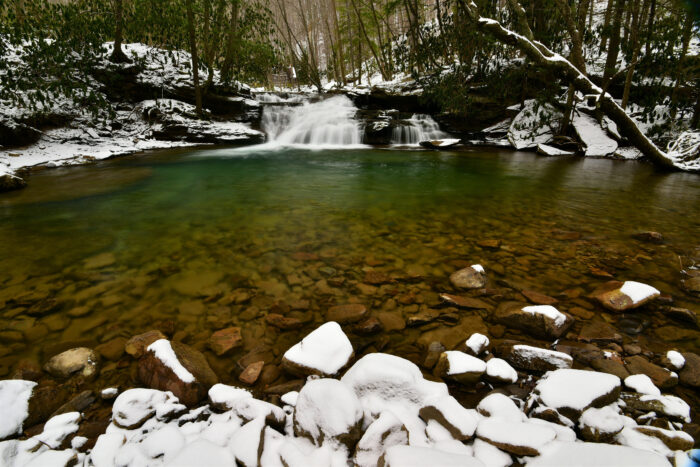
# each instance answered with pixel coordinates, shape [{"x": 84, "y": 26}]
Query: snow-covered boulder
[
  {"x": 497, "y": 405},
  {"x": 460, "y": 366},
  {"x": 518, "y": 438},
  {"x": 535, "y": 124},
  {"x": 542, "y": 321},
  {"x": 547, "y": 150},
  {"x": 328, "y": 411},
  {"x": 383, "y": 433},
  {"x": 324, "y": 351},
  {"x": 675, "y": 360},
  {"x": 571, "y": 392},
  {"x": 473, "y": 277},
  {"x": 531, "y": 358},
  {"x": 414, "y": 456},
  {"x": 174, "y": 366},
  {"x": 666, "y": 405},
  {"x": 616, "y": 296},
  {"x": 642, "y": 384},
  {"x": 14, "y": 405},
  {"x": 477, "y": 344},
  {"x": 449, "y": 413},
  {"x": 600, "y": 425},
  {"x": 596, "y": 139},
  {"x": 133, "y": 407},
  {"x": 570, "y": 454},
  {"x": 241, "y": 403},
  {"x": 500, "y": 371},
  {"x": 674, "y": 440},
  {"x": 387, "y": 382}
]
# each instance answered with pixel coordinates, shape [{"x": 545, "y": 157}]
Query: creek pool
[{"x": 195, "y": 240}]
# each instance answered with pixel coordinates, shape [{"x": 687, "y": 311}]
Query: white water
[
  {"x": 323, "y": 124},
  {"x": 419, "y": 127}
]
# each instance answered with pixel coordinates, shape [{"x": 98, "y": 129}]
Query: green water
[{"x": 203, "y": 239}]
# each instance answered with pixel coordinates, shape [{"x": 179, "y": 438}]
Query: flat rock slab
[{"x": 597, "y": 141}]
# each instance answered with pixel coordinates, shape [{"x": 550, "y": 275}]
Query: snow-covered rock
[
  {"x": 527, "y": 357},
  {"x": 543, "y": 321},
  {"x": 500, "y": 371},
  {"x": 133, "y": 407},
  {"x": 383, "y": 433},
  {"x": 58, "y": 428},
  {"x": 571, "y": 392},
  {"x": 497, "y": 405},
  {"x": 518, "y": 438},
  {"x": 328, "y": 411},
  {"x": 675, "y": 359},
  {"x": 600, "y": 425},
  {"x": 642, "y": 384},
  {"x": 324, "y": 351},
  {"x": 14, "y": 405},
  {"x": 665, "y": 405},
  {"x": 477, "y": 343},
  {"x": 459, "y": 421},
  {"x": 223, "y": 397},
  {"x": 626, "y": 296},
  {"x": 460, "y": 366},
  {"x": 413, "y": 456},
  {"x": 547, "y": 150},
  {"x": 568, "y": 454},
  {"x": 589, "y": 131},
  {"x": 674, "y": 440},
  {"x": 535, "y": 124},
  {"x": 440, "y": 143}
]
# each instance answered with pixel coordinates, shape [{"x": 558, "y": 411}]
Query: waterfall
[
  {"x": 325, "y": 123},
  {"x": 419, "y": 127}
]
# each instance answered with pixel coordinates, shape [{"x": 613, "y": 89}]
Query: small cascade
[
  {"x": 419, "y": 127},
  {"x": 329, "y": 122}
]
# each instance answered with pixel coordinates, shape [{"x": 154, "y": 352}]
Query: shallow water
[{"x": 196, "y": 240}]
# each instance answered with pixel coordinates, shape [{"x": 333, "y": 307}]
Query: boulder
[
  {"x": 80, "y": 361},
  {"x": 136, "y": 346},
  {"x": 499, "y": 371},
  {"x": 133, "y": 407},
  {"x": 473, "y": 277},
  {"x": 690, "y": 374},
  {"x": 649, "y": 237},
  {"x": 571, "y": 392},
  {"x": 570, "y": 454},
  {"x": 417, "y": 456},
  {"x": 324, "y": 352},
  {"x": 328, "y": 411},
  {"x": 667, "y": 405},
  {"x": 9, "y": 182},
  {"x": 539, "y": 298},
  {"x": 477, "y": 344},
  {"x": 113, "y": 349},
  {"x": 460, "y": 367},
  {"x": 542, "y": 321},
  {"x": 674, "y": 440},
  {"x": 692, "y": 285},
  {"x": 617, "y": 296},
  {"x": 174, "y": 366},
  {"x": 224, "y": 340},
  {"x": 451, "y": 415},
  {"x": 660, "y": 376}
]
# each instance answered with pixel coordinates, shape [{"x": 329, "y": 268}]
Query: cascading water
[
  {"x": 419, "y": 127},
  {"x": 325, "y": 123}
]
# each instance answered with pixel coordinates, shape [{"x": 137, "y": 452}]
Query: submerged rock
[
  {"x": 224, "y": 340},
  {"x": 660, "y": 376},
  {"x": 473, "y": 277},
  {"x": 136, "y": 346}
]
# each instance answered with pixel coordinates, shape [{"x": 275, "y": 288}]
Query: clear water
[{"x": 204, "y": 239}]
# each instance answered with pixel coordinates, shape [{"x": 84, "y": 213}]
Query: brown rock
[
  {"x": 490, "y": 244},
  {"x": 511, "y": 314},
  {"x": 443, "y": 370},
  {"x": 692, "y": 285},
  {"x": 252, "y": 372},
  {"x": 611, "y": 297},
  {"x": 344, "y": 314},
  {"x": 676, "y": 334},
  {"x": 599, "y": 332},
  {"x": 468, "y": 278},
  {"x": 136, "y": 346},
  {"x": 672, "y": 439},
  {"x": 632, "y": 349},
  {"x": 44, "y": 401},
  {"x": 283, "y": 322},
  {"x": 224, "y": 340},
  {"x": 539, "y": 298},
  {"x": 532, "y": 358},
  {"x": 155, "y": 374},
  {"x": 112, "y": 349},
  {"x": 682, "y": 314},
  {"x": 435, "y": 349},
  {"x": 391, "y": 320},
  {"x": 376, "y": 278},
  {"x": 581, "y": 312},
  {"x": 690, "y": 373},
  {"x": 610, "y": 366},
  {"x": 369, "y": 326},
  {"x": 77, "y": 404},
  {"x": 661, "y": 377},
  {"x": 649, "y": 237},
  {"x": 464, "y": 302}
]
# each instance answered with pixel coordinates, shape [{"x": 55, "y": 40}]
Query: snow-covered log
[{"x": 544, "y": 57}]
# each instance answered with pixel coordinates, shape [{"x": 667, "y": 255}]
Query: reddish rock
[
  {"x": 136, "y": 346},
  {"x": 661, "y": 377},
  {"x": 343, "y": 314},
  {"x": 155, "y": 374},
  {"x": 611, "y": 297},
  {"x": 282, "y": 322},
  {"x": 491, "y": 244},
  {"x": 599, "y": 332},
  {"x": 251, "y": 373},
  {"x": 369, "y": 326},
  {"x": 226, "y": 339}
]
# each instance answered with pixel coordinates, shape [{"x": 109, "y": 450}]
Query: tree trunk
[
  {"x": 614, "y": 49},
  {"x": 557, "y": 64},
  {"x": 118, "y": 55},
  {"x": 650, "y": 25},
  {"x": 195, "y": 60},
  {"x": 606, "y": 25},
  {"x": 678, "y": 78}
]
